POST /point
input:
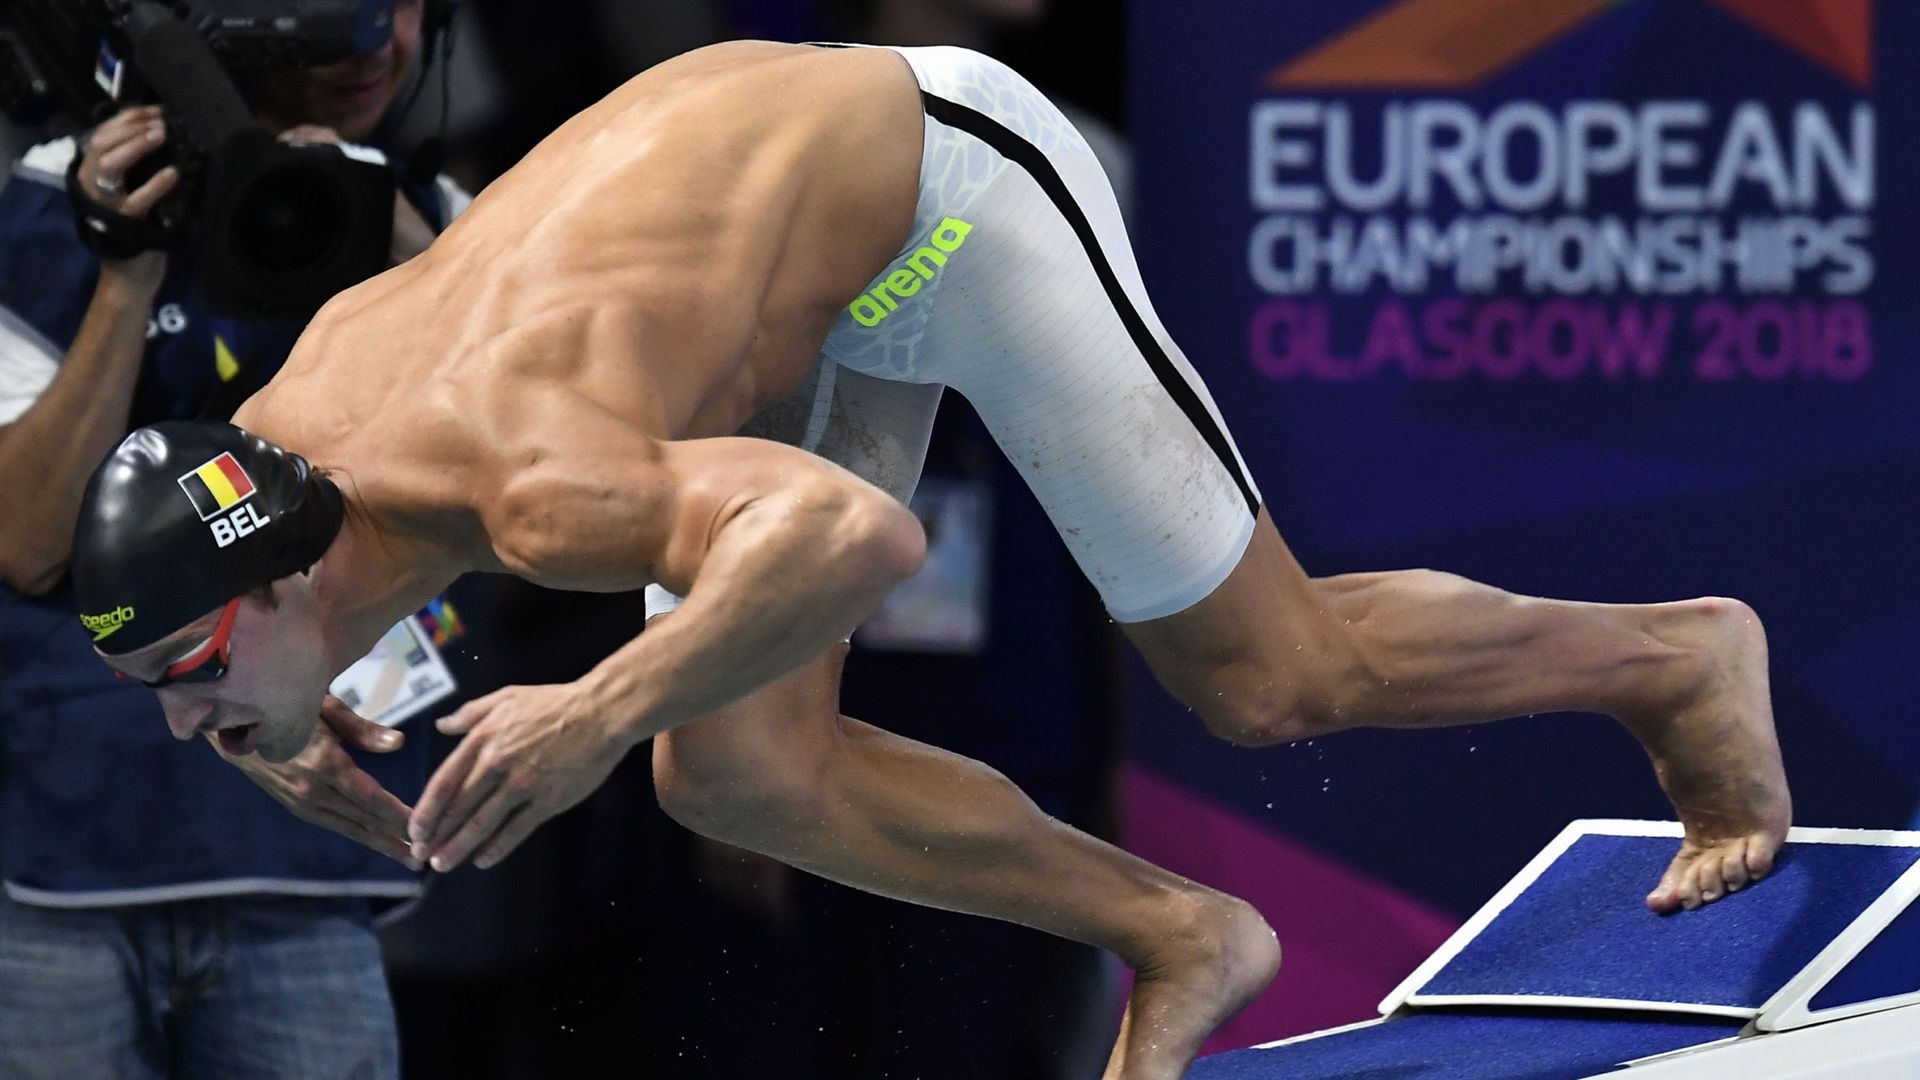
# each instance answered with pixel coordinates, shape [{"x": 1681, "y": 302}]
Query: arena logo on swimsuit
[{"x": 872, "y": 308}]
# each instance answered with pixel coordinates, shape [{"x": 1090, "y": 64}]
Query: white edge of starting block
[
  {"x": 1792, "y": 1008},
  {"x": 1341, "y": 1030},
  {"x": 1508, "y": 893},
  {"x": 1559, "y": 1001},
  {"x": 1844, "y": 946},
  {"x": 1684, "y": 1051},
  {"x": 1881, "y": 1046}
]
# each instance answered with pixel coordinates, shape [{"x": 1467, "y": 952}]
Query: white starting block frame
[{"x": 1784, "y": 1038}]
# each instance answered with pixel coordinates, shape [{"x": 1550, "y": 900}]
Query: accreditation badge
[{"x": 401, "y": 676}]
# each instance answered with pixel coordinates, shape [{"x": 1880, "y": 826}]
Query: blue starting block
[{"x": 1564, "y": 974}]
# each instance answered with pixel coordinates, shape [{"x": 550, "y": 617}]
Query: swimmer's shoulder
[
  {"x": 744, "y": 53},
  {"x": 777, "y": 81}
]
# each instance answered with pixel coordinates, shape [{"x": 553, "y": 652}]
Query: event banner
[{"x": 1610, "y": 300}]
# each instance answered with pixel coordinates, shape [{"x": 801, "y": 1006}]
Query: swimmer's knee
[
  {"x": 1267, "y": 717},
  {"x": 1268, "y": 708},
  {"x": 726, "y": 788}
]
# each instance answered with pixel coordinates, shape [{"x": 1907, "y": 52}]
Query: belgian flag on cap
[{"x": 216, "y": 485}]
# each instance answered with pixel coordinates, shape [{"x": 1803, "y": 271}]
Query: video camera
[{"x": 278, "y": 228}]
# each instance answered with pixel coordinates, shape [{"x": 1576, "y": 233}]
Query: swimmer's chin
[{"x": 280, "y": 744}]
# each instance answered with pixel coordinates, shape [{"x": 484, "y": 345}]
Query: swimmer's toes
[
  {"x": 1690, "y": 885},
  {"x": 1713, "y": 872},
  {"x": 1760, "y": 853},
  {"x": 1733, "y": 868},
  {"x": 1665, "y": 897}
]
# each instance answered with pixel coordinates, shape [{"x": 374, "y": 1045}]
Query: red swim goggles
[{"x": 208, "y": 660}]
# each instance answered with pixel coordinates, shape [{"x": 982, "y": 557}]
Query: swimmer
[{"x": 807, "y": 244}]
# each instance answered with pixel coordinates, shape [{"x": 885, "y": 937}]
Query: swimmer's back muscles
[{"x": 735, "y": 198}]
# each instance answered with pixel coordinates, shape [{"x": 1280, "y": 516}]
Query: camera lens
[
  {"x": 285, "y": 227},
  {"x": 289, "y": 219}
]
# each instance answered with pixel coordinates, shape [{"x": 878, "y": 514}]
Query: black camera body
[
  {"x": 290, "y": 33},
  {"x": 277, "y": 228}
]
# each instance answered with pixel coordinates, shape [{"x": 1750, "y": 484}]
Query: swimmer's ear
[{"x": 356, "y": 730}]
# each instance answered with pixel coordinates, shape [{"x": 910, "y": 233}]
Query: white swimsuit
[{"x": 1019, "y": 290}]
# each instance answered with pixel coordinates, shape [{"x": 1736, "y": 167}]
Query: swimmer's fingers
[
  {"x": 361, "y": 798},
  {"x": 433, "y": 816},
  {"x": 323, "y": 785},
  {"x": 461, "y": 721},
  {"x": 357, "y": 730},
  {"x": 392, "y": 845},
  {"x": 328, "y": 777},
  {"x": 506, "y": 810},
  {"x": 541, "y": 747},
  {"x": 472, "y": 816},
  {"x": 492, "y": 791},
  {"x": 518, "y": 826}
]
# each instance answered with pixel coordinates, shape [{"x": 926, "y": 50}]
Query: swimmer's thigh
[{"x": 1039, "y": 317}]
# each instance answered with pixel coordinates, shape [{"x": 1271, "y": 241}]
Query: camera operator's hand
[
  {"x": 47, "y": 453},
  {"x": 112, "y": 151},
  {"x": 411, "y": 233}
]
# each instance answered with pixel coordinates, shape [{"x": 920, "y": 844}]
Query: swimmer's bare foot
[
  {"x": 1717, "y": 757},
  {"x": 1219, "y": 957}
]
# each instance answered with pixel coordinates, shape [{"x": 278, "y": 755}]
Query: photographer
[{"x": 155, "y": 923}]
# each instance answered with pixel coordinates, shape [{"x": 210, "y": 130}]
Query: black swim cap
[{"x": 184, "y": 516}]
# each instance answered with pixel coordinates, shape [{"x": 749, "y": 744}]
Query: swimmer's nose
[{"x": 184, "y": 715}]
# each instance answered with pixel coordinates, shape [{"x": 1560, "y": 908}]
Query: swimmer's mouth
[{"x": 239, "y": 740}]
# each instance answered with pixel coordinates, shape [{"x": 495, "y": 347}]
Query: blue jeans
[{"x": 230, "y": 988}]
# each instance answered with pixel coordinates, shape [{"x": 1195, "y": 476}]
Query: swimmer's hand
[
  {"x": 529, "y": 752},
  {"x": 322, "y": 784}
]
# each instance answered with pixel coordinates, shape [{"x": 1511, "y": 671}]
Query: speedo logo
[
  {"x": 873, "y": 307},
  {"x": 105, "y": 624}
]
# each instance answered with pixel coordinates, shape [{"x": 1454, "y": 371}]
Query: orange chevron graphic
[
  {"x": 1836, "y": 33},
  {"x": 1435, "y": 43},
  {"x": 1454, "y": 44}
]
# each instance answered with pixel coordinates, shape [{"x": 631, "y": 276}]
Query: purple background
[{"x": 1796, "y": 496}]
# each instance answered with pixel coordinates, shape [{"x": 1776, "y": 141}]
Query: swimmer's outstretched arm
[{"x": 779, "y": 554}]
